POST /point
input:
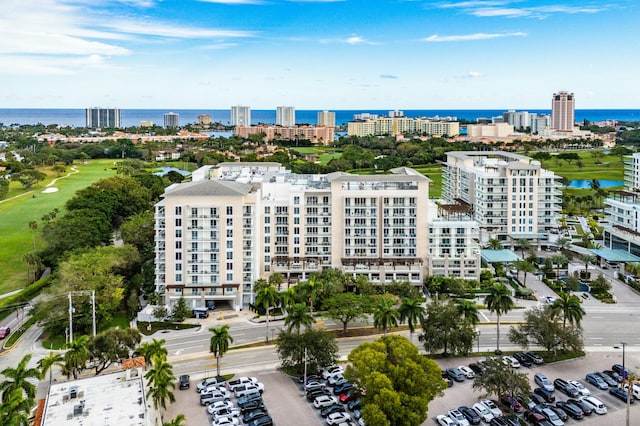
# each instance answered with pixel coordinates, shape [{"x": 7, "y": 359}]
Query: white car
[
  {"x": 214, "y": 406},
  {"x": 225, "y": 421},
  {"x": 324, "y": 401},
  {"x": 581, "y": 388},
  {"x": 595, "y": 404},
  {"x": 313, "y": 384},
  {"x": 335, "y": 379},
  {"x": 445, "y": 420},
  {"x": 467, "y": 371},
  {"x": 331, "y": 371},
  {"x": 248, "y": 388},
  {"x": 483, "y": 412},
  {"x": 215, "y": 388},
  {"x": 211, "y": 381},
  {"x": 233, "y": 384},
  {"x": 339, "y": 417},
  {"x": 225, "y": 412},
  {"x": 458, "y": 418},
  {"x": 511, "y": 361},
  {"x": 493, "y": 408}
]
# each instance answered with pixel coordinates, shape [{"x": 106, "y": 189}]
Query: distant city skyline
[{"x": 318, "y": 54}]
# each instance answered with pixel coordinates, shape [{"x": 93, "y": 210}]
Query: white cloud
[
  {"x": 466, "y": 4},
  {"x": 232, "y": 1},
  {"x": 391, "y": 76},
  {"x": 474, "y": 74},
  {"x": 471, "y": 37},
  {"x": 172, "y": 31},
  {"x": 507, "y": 9}
]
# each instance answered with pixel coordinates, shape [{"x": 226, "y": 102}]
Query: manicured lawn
[
  {"x": 611, "y": 167},
  {"x": 16, "y": 214}
]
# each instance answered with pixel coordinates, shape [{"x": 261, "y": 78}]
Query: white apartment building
[
  {"x": 240, "y": 115},
  {"x": 398, "y": 125},
  {"x": 493, "y": 130},
  {"x": 103, "y": 117},
  {"x": 171, "y": 119},
  {"x": 327, "y": 118},
  {"x": 285, "y": 116},
  {"x": 623, "y": 211},
  {"x": 237, "y": 222},
  {"x": 510, "y": 195}
]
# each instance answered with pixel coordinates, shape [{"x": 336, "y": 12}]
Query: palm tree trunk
[
  {"x": 266, "y": 339},
  {"x": 498, "y": 335},
  {"x": 218, "y": 365}
]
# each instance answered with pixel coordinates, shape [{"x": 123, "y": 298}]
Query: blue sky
[{"x": 317, "y": 54}]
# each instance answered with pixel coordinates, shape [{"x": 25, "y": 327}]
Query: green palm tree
[
  {"x": 16, "y": 379},
  {"x": 385, "y": 316},
  {"x": 179, "y": 420},
  {"x": 559, "y": 260},
  {"x": 569, "y": 306},
  {"x": 47, "y": 363},
  {"x": 267, "y": 297},
  {"x": 499, "y": 301},
  {"x": 220, "y": 342},
  {"x": 297, "y": 317},
  {"x": 77, "y": 355},
  {"x": 524, "y": 245},
  {"x": 15, "y": 409},
  {"x": 468, "y": 310},
  {"x": 287, "y": 298},
  {"x": 587, "y": 259},
  {"x": 494, "y": 244},
  {"x": 161, "y": 383},
  {"x": 526, "y": 267},
  {"x": 411, "y": 311},
  {"x": 149, "y": 349}
]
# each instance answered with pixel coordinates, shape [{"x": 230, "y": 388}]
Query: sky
[{"x": 318, "y": 54}]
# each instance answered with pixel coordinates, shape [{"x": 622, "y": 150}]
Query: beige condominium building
[
  {"x": 509, "y": 195},
  {"x": 238, "y": 222},
  {"x": 398, "y": 125}
]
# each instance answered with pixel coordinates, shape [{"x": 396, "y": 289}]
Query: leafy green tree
[
  {"x": 297, "y": 317},
  {"x": 559, "y": 260},
  {"x": 346, "y": 307},
  {"x": 444, "y": 328},
  {"x": 541, "y": 328},
  {"x": 47, "y": 363},
  {"x": 499, "y": 301},
  {"x": 403, "y": 289},
  {"x": 28, "y": 177},
  {"x": 112, "y": 345},
  {"x": 15, "y": 409},
  {"x": 219, "y": 344},
  {"x": 4, "y": 188},
  {"x": 276, "y": 279},
  {"x": 150, "y": 349},
  {"x": 180, "y": 310},
  {"x": 322, "y": 350},
  {"x": 77, "y": 355},
  {"x": 385, "y": 315},
  {"x": 17, "y": 379},
  {"x": 500, "y": 379},
  {"x": 600, "y": 285},
  {"x": 570, "y": 308},
  {"x": 382, "y": 368},
  {"x": 138, "y": 231},
  {"x": 178, "y": 420},
  {"x": 411, "y": 311},
  {"x": 267, "y": 298},
  {"x": 161, "y": 383},
  {"x": 468, "y": 310}
]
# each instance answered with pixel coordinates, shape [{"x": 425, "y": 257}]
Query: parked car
[
  {"x": 546, "y": 394},
  {"x": 552, "y": 417},
  {"x": 342, "y": 388},
  {"x": 596, "y": 381},
  {"x": 313, "y": 384},
  {"x": 250, "y": 416},
  {"x": 483, "y": 411},
  {"x": 534, "y": 358},
  {"x": 333, "y": 408},
  {"x": 560, "y": 412},
  {"x": 458, "y": 418},
  {"x": 225, "y": 412},
  {"x": 476, "y": 368},
  {"x": 512, "y": 403},
  {"x": 310, "y": 377},
  {"x": 183, "y": 382},
  {"x": 608, "y": 380},
  {"x": 444, "y": 420},
  {"x": 337, "y": 418},
  {"x": 332, "y": 371},
  {"x": 225, "y": 421},
  {"x": 580, "y": 387},
  {"x": 542, "y": 381},
  {"x": 4, "y": 332},
  {"x": 355, "y": 404},
  {"x": 566, "y": 388},
  {"x": 621, "y": 394},
  {"x": 635, "y": 390},
  {"x": 455, "y": 374},
  {"x": 510, "y": 361},
  {"x": 495, "y": 410},
  {"x": 262, "y": 421},
  {"x": 468, "y": 372},
  {"x": 233, "y": 384},
  {"x": 215, "y": 388},
  {"x": 311, "y": 395},
  {"x": 447, "y": 379},
  {"x": 587, "y": 409},
  {"x": 536, "y": 400},
  {"x": 571, "y": 409},
  {"x": 615, "y": 376},
  {"x": 622, "y": 371},
  {"x": 211, "y": 381},
  {"x": 471, "y": 416},
  {"x": 350, "y": 395},
  {"x": 336, "y": 379},
  {"x": 324, "y": 401},
  {"x": 534, "y": 418},
  {"x": 522, "y": 359},
  {"x": 248, "y": 388},
  {"x": 219, "y": 404},
  {"x": 208, "y": 398},
  {"x": 249, "y": 397},
  {"x": 597, "y": 405},
  {"x": 252, "y": 405}
]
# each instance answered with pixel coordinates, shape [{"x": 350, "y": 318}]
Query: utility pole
[
  {"x": 70, "y": 319},
  {"x": 93, "y": 313}
]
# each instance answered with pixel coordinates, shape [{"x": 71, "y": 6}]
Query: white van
[{"x": 635, "y": 390}]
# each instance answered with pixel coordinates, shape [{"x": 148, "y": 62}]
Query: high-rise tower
[
  {"x": 563, "y": 112},
  {"x": 285, "y": 116},
  {"x": 103, "y": 117},
  {"x": 240, "y": 116}
]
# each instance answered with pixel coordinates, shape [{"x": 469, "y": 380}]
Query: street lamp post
[
  {"x": 478, "y": 331},
  {"x": 623, "y": 345}
]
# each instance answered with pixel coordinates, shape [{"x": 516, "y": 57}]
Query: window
[
  {"x": 229, "y": 277},
  {"x": 178, "y": 233},
  {"x": 194, "y": 211},
  {"x": 229, "y": 210},
  {"x": 229, "y": 266},
  {"x": 267, "y": 219},
  {"x": 178, "y": 266},
  {"x": 229, "y": 255},
  {"x": 229, "y": 244},
  {"x": 267, "y": 210},
  {"x": 229, "y": 233},
  {"x": 178, "y": 255},
  {"x": 178, "y": 210},
  {"x": 178, "y": 245},
  {"x": 178, "y": 223},
  {"x": 178, "y": 278}
]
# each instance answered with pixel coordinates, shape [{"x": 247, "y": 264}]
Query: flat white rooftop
[{"x": 109, "y": 400}]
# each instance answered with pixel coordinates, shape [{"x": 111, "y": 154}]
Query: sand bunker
[{"x": 50, "y": 190}]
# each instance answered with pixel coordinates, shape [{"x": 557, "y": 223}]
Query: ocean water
[{"x": 133, "y": 117}]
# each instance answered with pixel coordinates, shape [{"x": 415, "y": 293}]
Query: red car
[
  {"x": 512, "y": 403},
  {"x": 4, "y": 332},
  {"x": 350, "y": 395}
]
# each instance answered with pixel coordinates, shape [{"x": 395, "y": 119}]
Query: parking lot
[{"x": 463, "y": 393}]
